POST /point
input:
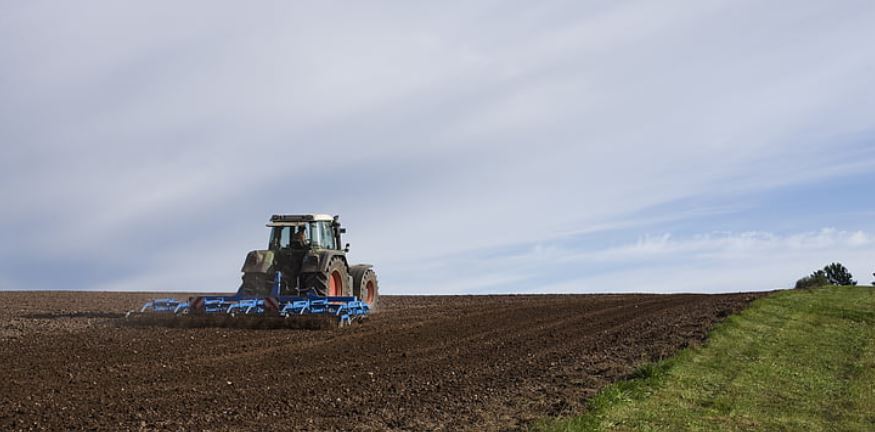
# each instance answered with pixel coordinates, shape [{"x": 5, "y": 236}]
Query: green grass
[{"x": 800, "y": 360}]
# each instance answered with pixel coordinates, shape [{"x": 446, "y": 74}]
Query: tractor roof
[{"x": 279, "y": 220}]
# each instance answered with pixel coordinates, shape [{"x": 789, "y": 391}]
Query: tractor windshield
[
  {"x": 305, "y": 235},
  {"x": 283, "y": 237}
]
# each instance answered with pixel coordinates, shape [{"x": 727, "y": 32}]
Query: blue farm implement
[{"x": 247, "y": 311}]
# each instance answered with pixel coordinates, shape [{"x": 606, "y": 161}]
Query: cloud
[
  {"x": 728, "y": 245},
  {"x": 434, "y": 130},
  {"x": 713, "y": 262}
]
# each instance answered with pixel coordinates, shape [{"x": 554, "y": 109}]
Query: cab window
[{"x": 322, "y": 235}]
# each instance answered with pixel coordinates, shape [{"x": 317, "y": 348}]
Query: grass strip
[{"x": 796, "y": 360}]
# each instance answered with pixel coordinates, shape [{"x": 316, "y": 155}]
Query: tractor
[
  {"x": 306, "y": 250},
  {"x": 302, "y": 276}
]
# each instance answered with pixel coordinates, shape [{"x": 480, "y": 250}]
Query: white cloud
[
  {"x": 729, "y": 245},
  {"x": 859, "y": 238},
  {"x": 433, "y": 129},
  {"x": 718, "y": 262}
]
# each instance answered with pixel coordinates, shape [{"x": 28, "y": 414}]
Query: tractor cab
[{"x": 304, "y": 232}]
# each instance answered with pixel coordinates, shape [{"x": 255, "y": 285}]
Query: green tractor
[{"x": 307, "y": 251}]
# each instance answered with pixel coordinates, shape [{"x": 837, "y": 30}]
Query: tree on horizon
[
  {"x": 832, "y": 274},
  {"x": 838, "y": 274}
]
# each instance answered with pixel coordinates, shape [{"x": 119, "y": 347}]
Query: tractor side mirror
[
  {"x": 342, "y": 230},
  {"x": 346, "y": 249}
]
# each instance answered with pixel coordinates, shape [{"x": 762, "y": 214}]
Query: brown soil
[{"x": 422, "y": 363}]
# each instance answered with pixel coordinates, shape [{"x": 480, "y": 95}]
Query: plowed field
[{"x": 421, "y": 363}]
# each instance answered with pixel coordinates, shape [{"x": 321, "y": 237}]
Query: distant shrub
[
  {"x": 839, "y": 275},
  {"x": 816, "y": 279},
  {"x": 833, "y": 274}
]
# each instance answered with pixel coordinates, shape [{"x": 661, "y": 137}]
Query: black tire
[
  {"x": 320, "y": 283},
  {"x": 365, "y": 285}
]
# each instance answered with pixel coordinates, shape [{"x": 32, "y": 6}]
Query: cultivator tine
[
  {"x": 161, "y": 305},
  {"x": 247, "y": 307},
  {"x": 182, "y": 308}
]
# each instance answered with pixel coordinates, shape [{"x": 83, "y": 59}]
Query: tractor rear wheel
[
  {"x": 332, "y": 282},
  {"x": 364, "y": 285}
]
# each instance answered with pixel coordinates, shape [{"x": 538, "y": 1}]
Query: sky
[{"x": 473, "y": 147}]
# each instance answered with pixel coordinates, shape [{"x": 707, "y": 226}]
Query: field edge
[{"x": 649, "y": 380}]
